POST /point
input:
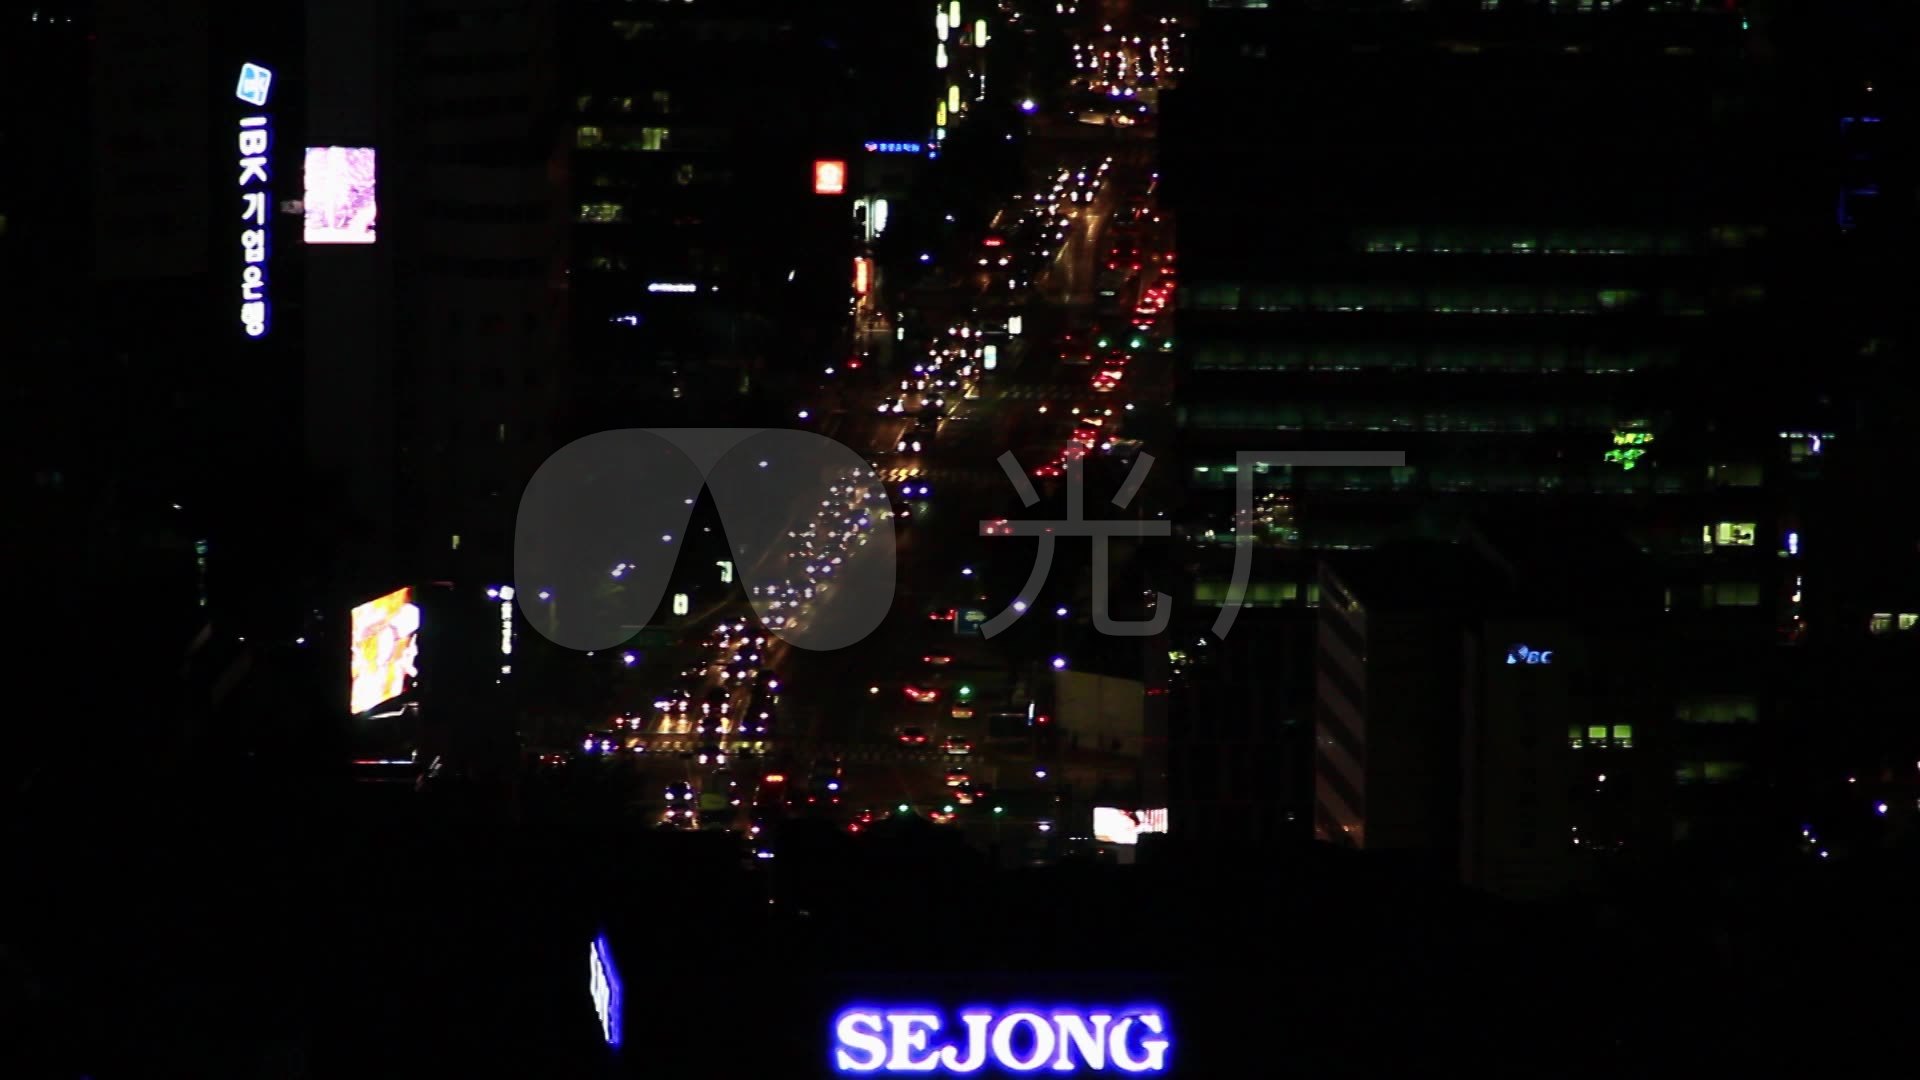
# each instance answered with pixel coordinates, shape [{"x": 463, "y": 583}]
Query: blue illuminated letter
[
  {"x": 1155, "y": 1056},
  {"x": 1076, "y": 1034},
  {"x": 1043, "y": 1042},
  {"x": 860, "y": 1032},
  {"x": 976, "y": 1024},
  {"x": 910, "y": 1030}
]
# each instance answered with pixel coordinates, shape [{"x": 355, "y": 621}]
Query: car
[
  {"x": 922, "y": 695},
  {"x": 824, "y": 787},
  {"x": 937, "y": 659},
  {"x": 958, "y": 746},
  {"x": 956, "y": 777},
  {"x": 755, "y": 721},
  {"x": 912, "y": 736},
  {"x": 711, "y": 753},
  {"x": 681, "y": 799}
]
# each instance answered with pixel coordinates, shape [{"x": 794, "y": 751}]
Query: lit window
[
  {"x": 456, "y": 541},
  {"x": 1623, "y": 735},
  {"x": 1720, "y": 772},
  {"x": 588, "y": 136},
  {"x": 1880, "y": 622},
  {"x": 1907, "y": 620},
  {"x": 1718, "y": 710},
  {"x": 1730, "y": 594},
  {"x": 1734, "y": 534},
  {"x": 653, "y": 138},
  {"x": 1735, "y": 475},
  {"x": 602, "y": 213},
  {"x": 1576, "y": 737},
  {"x": 1597, "y": 732}
]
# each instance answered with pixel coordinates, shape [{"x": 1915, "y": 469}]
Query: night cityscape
[{"x": 732, "y": 539}]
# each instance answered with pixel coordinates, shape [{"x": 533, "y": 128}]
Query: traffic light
[
  {"x": 999, "y": 809},
  {"x": 964, "y": 692}
]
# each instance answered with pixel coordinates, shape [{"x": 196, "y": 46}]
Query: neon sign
[
  {"x": 895, "y": 147},
  {"x": 604, "y": 984},
  {"x": 506, "y": 620},
  {"x": 829, "y": 177},
  {"x": 256, "y": 192},
  {"x": 1520, "y": 654},
  {"x": 1628, "y": 448},
  {"x": 1019, "y": 1039}
]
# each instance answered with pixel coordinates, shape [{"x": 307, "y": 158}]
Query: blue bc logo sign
[
  {"x": 1520, "y": 654},
  {"x": 254, "y": 83}
]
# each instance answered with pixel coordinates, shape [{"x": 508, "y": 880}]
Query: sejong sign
[
  {"x": 1016, "y": 1040},
  {"x": 256, "y": 195}
]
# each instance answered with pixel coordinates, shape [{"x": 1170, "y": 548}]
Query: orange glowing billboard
[
  {"x": 862, "y": 276},
  {"x": 386, "y": 646},
  {"x": 829, "y": 177}
]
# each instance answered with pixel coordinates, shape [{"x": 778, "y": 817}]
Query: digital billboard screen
[
  {"x": 340, "y": 200},
  {"x": 1112, "y": 825},
  {"x": 386, "y": 646}
]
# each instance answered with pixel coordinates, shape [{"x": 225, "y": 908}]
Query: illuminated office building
[{"x": 716, "y": 160}]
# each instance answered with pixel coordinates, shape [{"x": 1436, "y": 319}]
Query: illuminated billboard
[
  {"x": 386, "y": 646},
  {"x": 829, "y": 177},
  {"x": 1112, "y": 825},
  {"x": 340, "y": 203}
]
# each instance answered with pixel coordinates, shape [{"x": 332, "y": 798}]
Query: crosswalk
[{"x": 935, "y": 477}]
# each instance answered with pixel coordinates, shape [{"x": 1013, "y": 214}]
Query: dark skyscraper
[{"x": 1555, "y": 253}]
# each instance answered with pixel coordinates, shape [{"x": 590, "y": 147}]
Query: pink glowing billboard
[{"x": 340, "y": 203}]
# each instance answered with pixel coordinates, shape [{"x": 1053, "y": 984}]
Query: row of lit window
[
  {"x": 1889, "y": 623},
  {"x": 594, "y": 137},
  {"x": 1451, "y": 300},
  {"x": 1502, "y": 479},
  {"x": 1257, "y": 594},
  {"x": 1555, "y": 359},
  {"x": 1496, "y": 479},
  {"x": 1597, "y": 736},
  {"x": 1709, "y": 772},
  {"x": 661, "y": 101},
  {"x": 1319, "y": 416},
  {"x": 1529, "y": 241}
]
